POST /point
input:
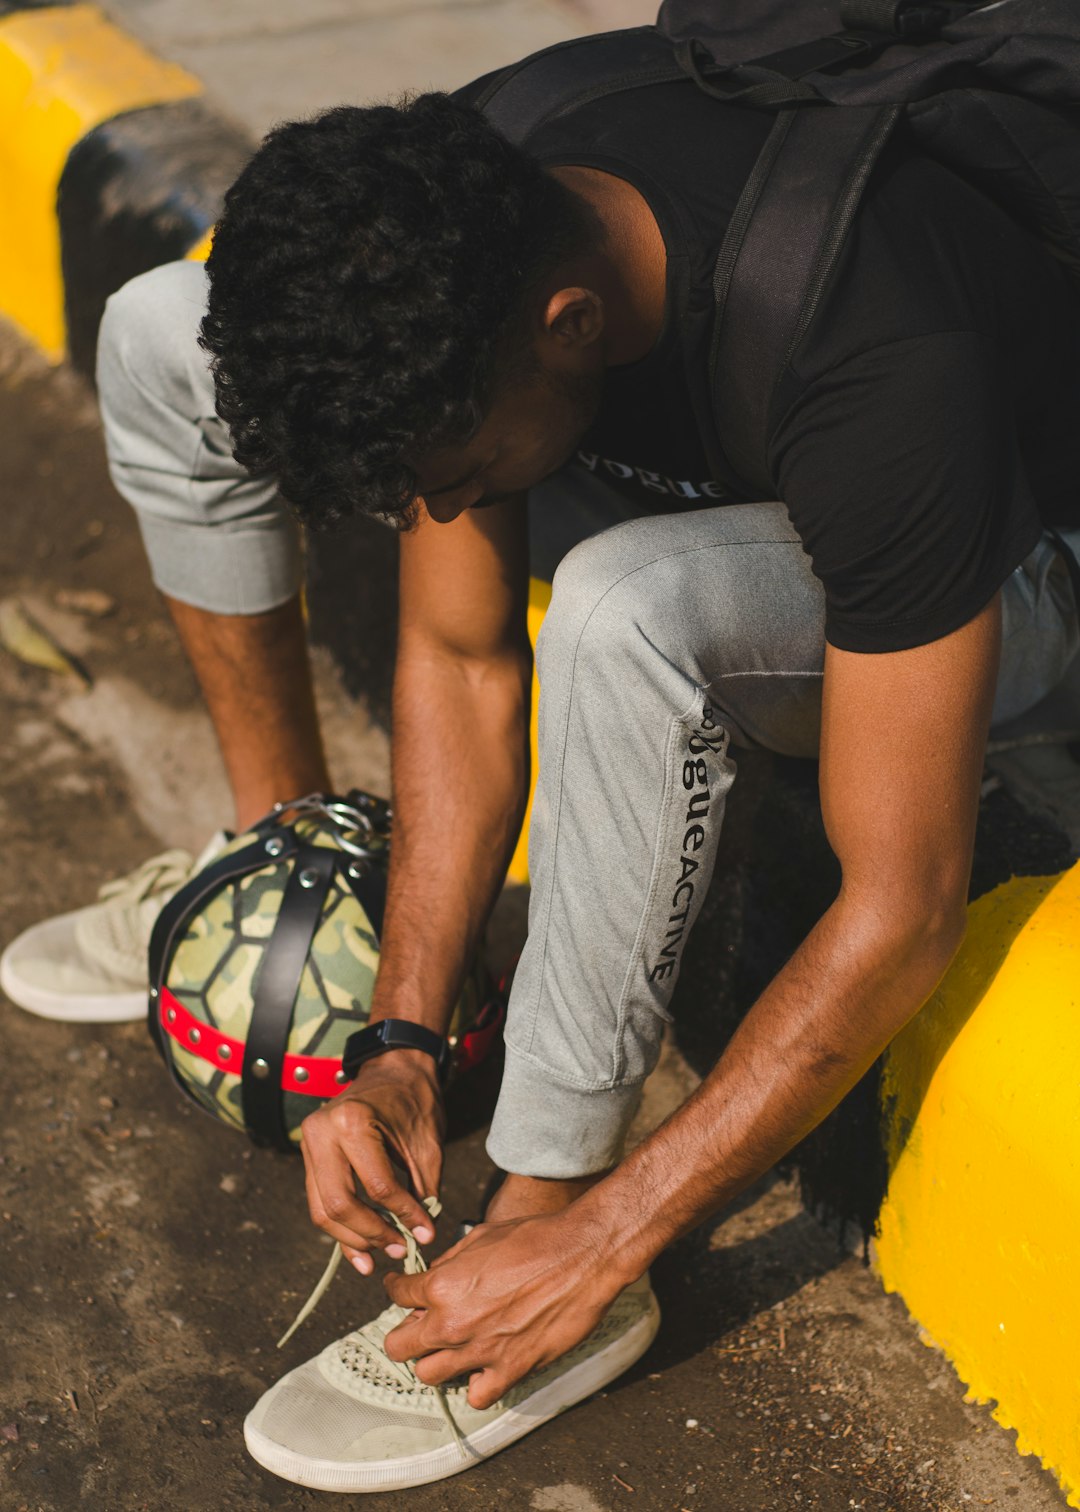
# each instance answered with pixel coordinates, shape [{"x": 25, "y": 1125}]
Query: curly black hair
[{"x": 366, "y": 279}]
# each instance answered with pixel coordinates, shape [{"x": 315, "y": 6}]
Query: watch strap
[{"x": 394, "y": 1034}]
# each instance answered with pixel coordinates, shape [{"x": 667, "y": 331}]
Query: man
[{"x": 411, "y": 317}]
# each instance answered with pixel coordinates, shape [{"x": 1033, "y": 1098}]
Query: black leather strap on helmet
[
  {"x": 276, "y": 985},
  {"x": 367, "y": 884},
  {"x": 175, "y": 916}
]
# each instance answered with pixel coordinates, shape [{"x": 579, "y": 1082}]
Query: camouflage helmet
[{"x": 264, "y": 964}]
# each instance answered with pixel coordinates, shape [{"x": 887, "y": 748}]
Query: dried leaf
[{"x": 28, "y": 642}]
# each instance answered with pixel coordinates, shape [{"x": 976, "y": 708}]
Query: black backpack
[{"x": 990, "y": 90}]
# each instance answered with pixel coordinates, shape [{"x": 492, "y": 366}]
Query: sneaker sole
[{"x": 566, "y": 1391}]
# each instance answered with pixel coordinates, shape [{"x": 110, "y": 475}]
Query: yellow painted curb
[
  {"x": 980, "y": 1229},
  {"x": 201, "y": 251},
  {"x": 539, "y": 599},
  {"x": 63, "y": 71}
]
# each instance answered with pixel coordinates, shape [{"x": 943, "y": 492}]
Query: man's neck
[{"x": 629, "y": 269}]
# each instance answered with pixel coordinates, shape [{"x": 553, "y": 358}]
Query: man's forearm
[
  {"x": 460, "y": 775},
  {"x": 818, "y": 1027}
]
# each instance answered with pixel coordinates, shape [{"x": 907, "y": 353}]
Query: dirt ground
[{"x": 149, "y": 1259}]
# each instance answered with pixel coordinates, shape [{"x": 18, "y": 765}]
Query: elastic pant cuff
[
  {"x": 542, "y": 1127},
  {"x": 247, "y": 571}
]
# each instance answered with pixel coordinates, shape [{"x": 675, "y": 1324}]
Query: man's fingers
[
  {"x": 359, "y": 1259},
  {"x": 348, "y": 1129},
  {"x": 441, "y": 1366},
  {"x": 380, "y": 1182},
  {"x": 362, "y": 1261},
  {"x": 487, "y": 1383},
  {"x": 407, "y": 1341},
  {"x": 346, "y": 1237},
  {"x": 320, "y": 1218},
  {"x": 336, "y": 1209},
  {"x": 408, "y": 1291},
  {"x": 487, "y": 1386},
  {"x": 425, "y": 1171}
]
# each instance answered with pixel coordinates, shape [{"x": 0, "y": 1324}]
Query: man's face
[{"x": 533, "y": 428}]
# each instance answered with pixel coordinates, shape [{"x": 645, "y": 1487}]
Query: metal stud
[
  {"x": 452, "y": 1042},
  {"x": 274, "y": 846},
  {"x": 340, "y": 1078},
  {"x": 153, "y": 992},
  {"x": 354, "y": 871},
  {"x": 260, "y": 1069},
  {"x": 300, "y": 1074},
  {"x": 308, "y": 877},
  {"x": 170, "y": 1014},
  {"x": 223, "y": 1052},
  {"x": 194, "y": 1036}
]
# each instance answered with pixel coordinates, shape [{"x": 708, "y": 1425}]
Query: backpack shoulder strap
[
  {"x": 549, "y": 84},
  {"x": 781, "y": 247},
  {"x": 769, "y": 279}
]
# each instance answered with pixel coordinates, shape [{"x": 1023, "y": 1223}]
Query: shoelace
[
  {"x": 414, "y": 1265},
  {"x": 159, "y": 874}
]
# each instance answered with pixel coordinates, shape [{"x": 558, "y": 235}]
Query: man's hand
[
  {"x": 393, "y": 1108},
  {"x": 508, "y": 1298}
]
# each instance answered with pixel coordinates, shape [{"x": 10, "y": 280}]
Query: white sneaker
[
  {"x": 90, "y": 966},
  {"x": 354, "y": 1420}
]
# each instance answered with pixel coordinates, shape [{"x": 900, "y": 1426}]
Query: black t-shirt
[{"x": 931, "y": 425}]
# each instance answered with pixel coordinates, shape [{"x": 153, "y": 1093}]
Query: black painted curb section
[
  {"x": 139, "y": 190},
  {"x": 10, "y": 7}
]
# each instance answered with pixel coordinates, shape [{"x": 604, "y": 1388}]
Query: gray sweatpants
[
  {"x": 670, "y": 639},
  {"x": 668, "y": 642}
]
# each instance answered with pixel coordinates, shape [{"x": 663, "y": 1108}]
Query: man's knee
[
  {"x": 148, "y": 344},
  {"x": 580, "y": 613},
  {"x": 614, "y": 626},
  {"x": 676, "y": 580}
]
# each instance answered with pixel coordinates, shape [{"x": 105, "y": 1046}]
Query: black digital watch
[{"x": 395, "y": 1034}]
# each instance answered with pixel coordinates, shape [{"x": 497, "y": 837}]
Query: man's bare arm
[
  {"x": 460, "y": 777},
  {"x": 903, "y": 736},
  {"x": 460, "y": 751},
  {"x": 901, "y": 759}
]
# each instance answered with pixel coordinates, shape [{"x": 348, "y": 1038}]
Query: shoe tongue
[
  {"x": 115, "y": 933},
  {"x": 115, "y": 936},
  {"x": 376, "y": 1330},
  {"x": 216, "y": 843},
  {"x": 372, "y": 1338}
]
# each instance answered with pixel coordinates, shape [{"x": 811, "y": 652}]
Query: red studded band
[{"x": 310, "y": 1075}]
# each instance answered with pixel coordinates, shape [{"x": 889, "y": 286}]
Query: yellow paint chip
[
  {"x": 980, "y": 1230},
  {"x": 63, "y": 71}
]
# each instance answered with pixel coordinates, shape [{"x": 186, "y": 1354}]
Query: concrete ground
[
  {"x": 149, "y": 1258},
  {"x": 270, "y": 60}
]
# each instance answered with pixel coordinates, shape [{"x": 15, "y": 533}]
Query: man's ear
[{"x": 573, "y": 317}]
